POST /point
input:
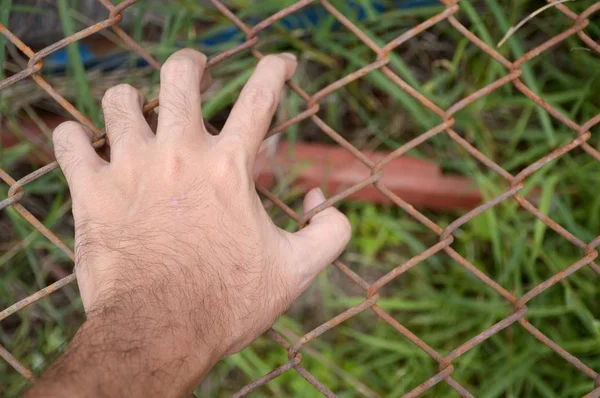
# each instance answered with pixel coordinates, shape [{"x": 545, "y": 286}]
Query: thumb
[{"x": 322, "y": 240}]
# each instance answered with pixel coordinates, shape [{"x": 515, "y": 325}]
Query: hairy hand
[{"x": 171, "y": 230}]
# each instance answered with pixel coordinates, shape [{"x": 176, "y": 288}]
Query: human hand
[{"x": 171, "y": 239}]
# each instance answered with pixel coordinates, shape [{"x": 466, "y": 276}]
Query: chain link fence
[{"x": 513, "y": 76}]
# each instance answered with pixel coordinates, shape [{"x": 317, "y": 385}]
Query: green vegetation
[{"x": 437, "y": 300}]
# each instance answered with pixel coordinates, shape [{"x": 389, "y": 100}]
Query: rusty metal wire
[{"x": 582, "y": 134}]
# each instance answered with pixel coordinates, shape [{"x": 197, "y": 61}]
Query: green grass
[{"x": 437, "y": 300}]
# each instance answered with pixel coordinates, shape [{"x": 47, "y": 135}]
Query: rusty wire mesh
[{"x": 445, "y": 126}]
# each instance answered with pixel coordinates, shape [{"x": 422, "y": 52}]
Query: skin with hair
[{"x": 177, "y": 261}]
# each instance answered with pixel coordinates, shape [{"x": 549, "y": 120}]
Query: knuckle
[
  {"x": 229, "y": 169},
  {"x": 341, "y": 224},
  {"x": 119, "y": 95},
  {"x": 272, "y": 63},
  {"x": 177, "y": 166},
  {"x": 65, "y": 128},
  {"x": 62, "y": 135},
  {"x": 226, "y": 165},
  {"x": 64, "y": 150},
  {"x": 225, "y": 175},
  {"x": 232, "y": 145},
  {"x": 234, "y": 151},
  {"x": 259, "y": 96},
  {"x": 179, "y": 65},
  {"x": 128, "y": 173},
  {"x": 190, "y": 53}
]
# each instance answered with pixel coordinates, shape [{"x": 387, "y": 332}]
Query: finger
[
  {"x": 126, "y": 127},
  {"x": 252, "y": 113},
  {"x": 152, "y": 116},
  {"x": 180, "y": 113},
  {"x": 321, "y": 241},
  {"x": 74, "y": 152}
]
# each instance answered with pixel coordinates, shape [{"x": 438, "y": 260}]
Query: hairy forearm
[{"x": 131, "y": 356}]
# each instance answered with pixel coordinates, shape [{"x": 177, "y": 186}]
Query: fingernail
[
  {"x": 320, "y": 193},
  {"x": 289, "y": 56}
]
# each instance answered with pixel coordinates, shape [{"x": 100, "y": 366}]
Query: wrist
[
  {"x": 130, "y": 353},
  {"x": 150, "y": 342},
  {"x": 158, "y": 305}
]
